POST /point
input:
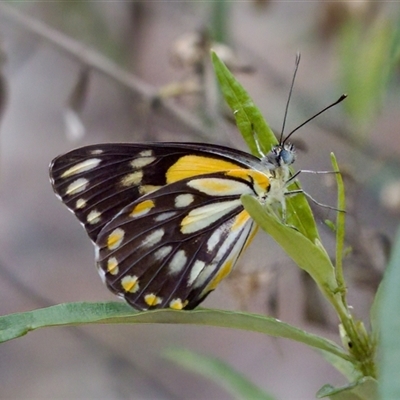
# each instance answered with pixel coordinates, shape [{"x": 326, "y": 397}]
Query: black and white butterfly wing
[
  {"x": 171, "y": 248},
  {"x": 166, "y": 218},
  {"x": 95, "y": 182}
]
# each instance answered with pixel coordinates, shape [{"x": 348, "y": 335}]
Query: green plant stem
[
  {"x": 340, "y": 229},
  {"x": 359, "y": 342}
]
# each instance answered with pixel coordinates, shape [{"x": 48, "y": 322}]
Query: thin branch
[{"x": 96, "y": 61}]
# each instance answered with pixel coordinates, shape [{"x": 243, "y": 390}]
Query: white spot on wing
[
  {"x": 146, "y": 189},
  {"x": 197, "y": 268},
  {"x": 232, "y": 245},
  {"x": 202, "y": 217},
  {"x": 204, "y": 275},
  {"x": 132, "y": 179},
  {"x": 141, "y": 162},
  {"x": 183, "y": 200},
  {"x": 214, "y": 239},
  {"x": 93, "y": 217},
  {"x": 162, "y": 252},
  {"x": 80, "y": 203},
  {"x": 96, "y": 152},
  {"x": 146, "y": 153},
  {"x": 178, "y": 262},
  {"x": 164, "y": 216},
  {"x": 83, "y": 166},
  {"x": 77, "y": 186},
  {"x": 153, "y": 238}
]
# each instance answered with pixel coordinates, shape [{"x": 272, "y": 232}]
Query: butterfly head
[{"x": 281, "y": 155}]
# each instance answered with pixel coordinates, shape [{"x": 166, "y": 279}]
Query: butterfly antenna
[
  {"x": 296, "y": 67},
  {"x": 341, "y": 98}
]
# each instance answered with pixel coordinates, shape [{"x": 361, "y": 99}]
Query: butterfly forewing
[
  {"x": 96, "y": 182},
  {"x": 166, "y": 219}
]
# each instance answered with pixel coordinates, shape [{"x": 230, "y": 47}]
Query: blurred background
[{"x": 76, "y": 73}]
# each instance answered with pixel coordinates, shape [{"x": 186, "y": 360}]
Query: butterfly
[{"x": 166, "y": 219}]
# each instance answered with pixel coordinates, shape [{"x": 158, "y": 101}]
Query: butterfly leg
[
  {"x": 295, "y": 192},
  {"x": 307, "y": 171}
]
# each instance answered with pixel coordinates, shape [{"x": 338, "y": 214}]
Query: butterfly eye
[{"x": 287, "y": 154}]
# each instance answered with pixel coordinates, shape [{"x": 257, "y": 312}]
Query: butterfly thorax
[{"x": 278, "y": 160}]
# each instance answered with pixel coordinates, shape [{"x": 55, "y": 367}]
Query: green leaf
[
  {"x": 15, "y": 325},
  {"x": 249, "y": 121},
  {"x": 375, "y": 311},
  {"x": 301, "y": 216},
  {"x": 340, "y": 225},
  {"x": 345, "y": 367},
  {"x": 395, "y": 45},
  {"x": 364, "y": 389},
  {"x": 390, "y": 327},
  {"x": 248, "y": 117},
  {"x": 308, "y": 255},
  {"x": 220, "y": 372}
]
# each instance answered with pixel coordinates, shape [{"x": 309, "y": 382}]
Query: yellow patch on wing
[
  {"x": 251, "y": 237},
  {"x": 188, "y": 166},
  {"x": 130, "y": 283},
  {"x": 152, "y": 300},
  {"x": 257, "y": 178},
  {"x": 220, "y": 186},
  {"x": 115, "y": 238},
  {"x": 222, "y": 273},
  {"x": 240, "y": 220},
  {"x": 142, "y": 208},
  {"x": 112, "y": 266},
  {"x": 176, "y": 304}
]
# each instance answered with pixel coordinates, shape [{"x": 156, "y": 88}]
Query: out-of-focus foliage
[{"x": 368, "y": 53}]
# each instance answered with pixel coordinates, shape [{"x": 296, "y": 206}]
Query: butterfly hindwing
[{"x": 171, "y": 247}]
